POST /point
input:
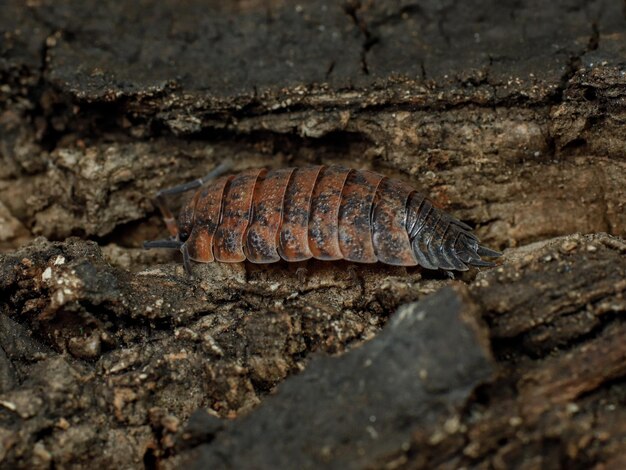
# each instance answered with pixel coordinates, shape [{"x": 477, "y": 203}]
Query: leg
[
  {"x": 301, "y": 273},
  {"x": 162, "y": 244},
  {"x": 354, "y": 276},
  {"x": 186, "y": 260},
  {"x": 214, "y": 173}
]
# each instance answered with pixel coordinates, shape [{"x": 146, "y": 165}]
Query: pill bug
[{"x": 322, "y": 212}]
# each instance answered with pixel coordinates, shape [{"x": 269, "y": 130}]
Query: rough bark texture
[
  {"x": 510, "y": 114},
  {"x": 357, "y": 410}
]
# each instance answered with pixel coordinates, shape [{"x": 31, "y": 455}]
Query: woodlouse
[{"x": 322, "y": 212}]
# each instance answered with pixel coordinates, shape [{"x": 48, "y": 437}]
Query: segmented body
[{"x": 327, "y": 213}]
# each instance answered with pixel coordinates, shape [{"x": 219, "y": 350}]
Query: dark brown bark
[{"x": 509, "y": 114}]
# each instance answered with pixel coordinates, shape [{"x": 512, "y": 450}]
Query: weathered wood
[{"x": 357, "y": 410}]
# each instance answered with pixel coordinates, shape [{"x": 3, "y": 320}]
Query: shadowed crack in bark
[
  {"x": 574, "y": 63},
  {"x": 352, "y": 8}
]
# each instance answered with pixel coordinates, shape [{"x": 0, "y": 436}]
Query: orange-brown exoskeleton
[{"x": 322, "y": 212}]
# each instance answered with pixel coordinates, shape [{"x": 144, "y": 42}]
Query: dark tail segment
[{"x": 440, "y": 241}]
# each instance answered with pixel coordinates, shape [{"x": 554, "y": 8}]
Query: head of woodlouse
[{"x": 185, "y": 222}]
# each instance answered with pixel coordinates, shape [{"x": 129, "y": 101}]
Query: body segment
[
  {"x": 389, "y": 216},
  {"x": 267, "y": 213},
  {"x": 294, "y": 232},
  {"x": 355, "y": 214},
  {"x": 207, "y": 210},
  {"x": 235, "y": 217},
  {"x": 324, "y": 213}
]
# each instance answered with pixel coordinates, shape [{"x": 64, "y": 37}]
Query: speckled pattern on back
[{"x": 327, "y": 213}]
